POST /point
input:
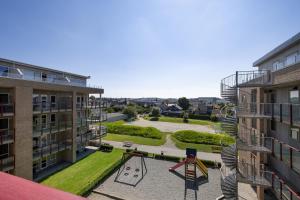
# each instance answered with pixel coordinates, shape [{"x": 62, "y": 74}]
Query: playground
[{"x": 148, "y": 178}]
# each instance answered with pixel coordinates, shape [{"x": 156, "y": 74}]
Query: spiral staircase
[{"x": 230, "y": 88}]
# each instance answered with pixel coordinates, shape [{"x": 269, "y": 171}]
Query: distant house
[{"x": 170, "y": 109}]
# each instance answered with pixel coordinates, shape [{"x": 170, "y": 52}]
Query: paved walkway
[
  {"x": 171, "y": 127},
  {"x": 167, "y": 151}
]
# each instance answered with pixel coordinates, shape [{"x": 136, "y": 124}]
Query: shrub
[
  {"x": 203, "y": 138},
  {"x": 155, "y": 113},
  {"x": 154, "y": 118},
  {"x": 145, "y": 154},
  {"x": 130, "y": 111},
  {"x": 213, "y": 118},
  {"x": 147, "y": 132},
  {"x": 106, "y": 147},
  {"x": 200, "y": 117}
]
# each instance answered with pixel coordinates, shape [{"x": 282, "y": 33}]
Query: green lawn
[
  {"x": 79, "y": 177},
  {"x": 199, "y": 147},
  {"x": 136, "y": 139},
  {"x": 180, "y": 120}
]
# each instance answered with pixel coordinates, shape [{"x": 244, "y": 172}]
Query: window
[
  {"x": 3, "y": 151},
  {"x": 273, "y": 125},
  {"x": 4, "y": 99},
  {"x": 44, "y": 77},
  {"x": 275, "y": 66},
  {"x": 277, "y": 149},
  {"x": 53, "y": 101},
  {"x": 296, "y": 161},
  {"x": 291, "y": 59},
  {"x": 294, "y": 96},
  {"x": 3, "y": 123},
  {"x": 295, "y": 134},
  {"x": 3, "y": 71},
  {"x": 254, "y": 125},
  {"x": 44, "y": 121},
  {"x": 44, "y": 163},
  {"x": 286, "y": 154}
]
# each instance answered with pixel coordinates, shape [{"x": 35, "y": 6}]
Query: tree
[
  {"x": 184, "y": 103},
  {"x": 130, "y": 111},
  {"x": 155, "y": 112}
]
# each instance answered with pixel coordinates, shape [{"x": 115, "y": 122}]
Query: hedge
[
  {"x": 147, "y": 132},
  {"x": 165, "y": 157},
  {"x": 188, "y": 136}
]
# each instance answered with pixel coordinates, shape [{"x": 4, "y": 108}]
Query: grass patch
[
  {"x": 180, "y": 120},
  {"x": 136, "y": 139},
  {"x": 188, "y": 136},
  {"x": 86, "y": 173},
  {"x": 146, "y": 132}
]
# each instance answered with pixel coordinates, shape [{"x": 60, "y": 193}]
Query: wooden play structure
[{"x": 191, "y": 163}]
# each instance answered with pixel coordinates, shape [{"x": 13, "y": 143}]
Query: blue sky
[{"x": 143, "y": 48}]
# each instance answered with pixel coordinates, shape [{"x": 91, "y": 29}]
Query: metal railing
[
  {"x": 7, "y": 163},
  {"x": 284, "y": 64},
  {"x": 41, "y": 151},
  {"x": 255, "y": 77},
  {"x": 254, "y": 174},
  {"x": 6, "y": 136},
  {"x": 251, "y": 137},
  {"x": 6, "y": 108},
  {"x": 49, "y": 107},
  {"x": 263, "y": 109},
  {"x": 52, "y": 127}
]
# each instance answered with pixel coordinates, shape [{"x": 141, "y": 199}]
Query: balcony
[
  {"x": 6, "y": 109},
  {"x": 251, "y": 140},
  {"x": 256, "y": 78},
  {"x": 6, "y": 136},
  {"x": 7, "y": 163},
  {"x": 251, "y": 174},
  {"x": 256, "y": 110},
  {"x": 81, "y": 106},
  {"x": 43, "y": 107},
  {"x": 42, "y": 151},
  {"x": 285, "y": 64},
  {"x": 53, "y": 127}
]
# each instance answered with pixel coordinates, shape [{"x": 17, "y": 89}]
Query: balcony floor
[
  {"x": 258, "y": 181},
  {"x": 245, "y": 147}
]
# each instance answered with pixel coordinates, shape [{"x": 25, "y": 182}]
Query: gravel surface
[
  {"x": 158, "y": 183},
  {"x": 171, "y": 127}
]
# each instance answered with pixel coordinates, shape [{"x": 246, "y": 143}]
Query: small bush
[
  {"x": 213, "y": 118},
  {"x": 145, "y": 154},
  {"x": 154, "y": 119},
  {"x": 200, "y": 117},
  {"x": 106, "y": 147}
]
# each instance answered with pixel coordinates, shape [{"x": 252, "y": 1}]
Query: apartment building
[
  {"x": 264, "y": 116},
  {"x": 44, "y": 118}
]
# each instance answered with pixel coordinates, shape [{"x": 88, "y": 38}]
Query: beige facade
[
  {"x": 267, "y": 107},
  {"x": 44, "y": 118}
]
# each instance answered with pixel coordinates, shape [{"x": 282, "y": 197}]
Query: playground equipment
[
  {"x": 132, "y": 171},
  {"x": 191, "y": 162}
]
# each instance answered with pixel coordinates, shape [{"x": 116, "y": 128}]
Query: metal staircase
[{"x": 230, "y": 88}]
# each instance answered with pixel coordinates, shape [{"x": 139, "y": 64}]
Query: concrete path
[
  {"x": 167, "y": 151},
  {"x": 171, "y": 127}
]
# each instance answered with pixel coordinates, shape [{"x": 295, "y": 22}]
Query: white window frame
[
  {"x": 298, "y": 133},
  {"x": 292, "y": 56},
  {"x": 42, "y": 123}
]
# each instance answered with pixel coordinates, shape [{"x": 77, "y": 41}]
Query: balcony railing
[
  {"x": 255, "y": 109},
  {"x": 7, "y": 163},
  {"x": 251, "y": 140},
  {"x": 254, "y": 175},
  {"x": 41, "y": 151},
  {"x": 82, "y": 122},
  {"x": 52, "y": 127},
  {"x": 50, "y": 107},
  {"x": 285, "y": 64},
  {"x": 6, "y": 108},
  {"x": 6, "y": 136}
]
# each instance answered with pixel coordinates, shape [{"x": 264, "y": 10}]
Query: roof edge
[
  {"x": 288, "y": 43},
  {"x": 42, "y": 68}
]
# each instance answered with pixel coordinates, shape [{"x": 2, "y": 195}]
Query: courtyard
[{"x": 157, "y": 183}]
